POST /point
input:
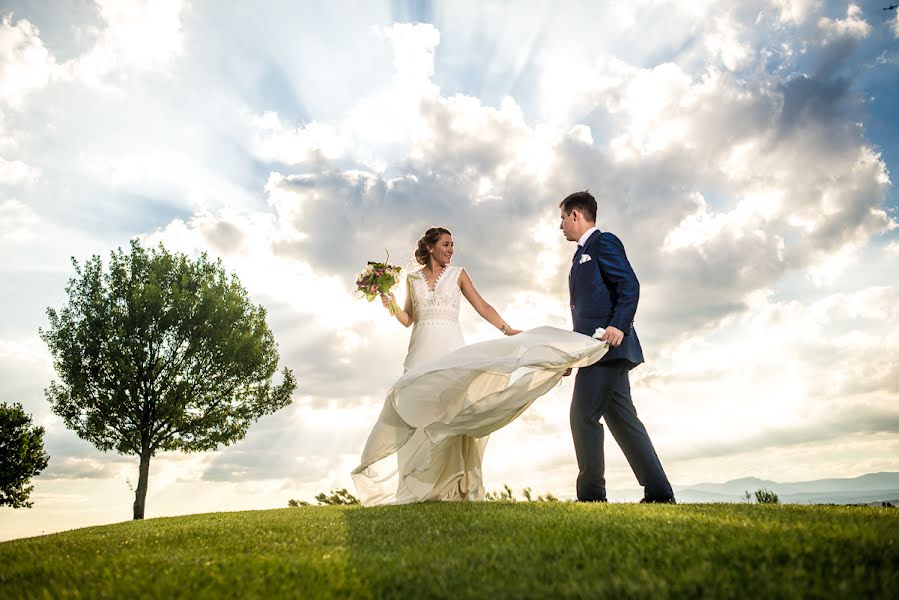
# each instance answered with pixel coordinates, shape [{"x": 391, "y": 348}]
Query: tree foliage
[
  {"x": 161, "y": 352},
  {"x": 22, "y": 455}
]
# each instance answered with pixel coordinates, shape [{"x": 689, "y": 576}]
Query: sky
[{"x": 742, "y": 151}]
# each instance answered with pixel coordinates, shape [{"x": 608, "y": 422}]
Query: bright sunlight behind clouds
[{"x": 741, "y": 151}]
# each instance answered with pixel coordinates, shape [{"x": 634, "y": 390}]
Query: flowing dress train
[{"x": 429, "y": 440}]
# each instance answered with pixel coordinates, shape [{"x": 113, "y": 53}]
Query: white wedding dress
[{"x": 429, "y": 440}]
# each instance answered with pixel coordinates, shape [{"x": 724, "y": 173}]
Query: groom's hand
[
  {"x": 567, "y": 372},
  {"x": 613, "y": 336}
]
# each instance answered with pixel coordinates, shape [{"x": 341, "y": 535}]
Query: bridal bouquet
[{"x": 379, "y": 278}]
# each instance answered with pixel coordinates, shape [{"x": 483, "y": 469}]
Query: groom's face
[{"x": 569, "y": 225}]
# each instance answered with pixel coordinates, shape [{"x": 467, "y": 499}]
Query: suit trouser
[{"x": 604, "y": 391}]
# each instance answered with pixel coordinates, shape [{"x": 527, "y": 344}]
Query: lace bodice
[{"x": 440, "y": 305}]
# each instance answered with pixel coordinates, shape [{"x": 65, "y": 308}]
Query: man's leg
[
  {"x": 587, "y": 404},
  {"x": 630, "y": 433}
]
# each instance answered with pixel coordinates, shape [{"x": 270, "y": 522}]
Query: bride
[{"x": 428, "y": 443}]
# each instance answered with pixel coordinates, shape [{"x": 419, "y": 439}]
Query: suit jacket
[{"x": 604, "y": 291}]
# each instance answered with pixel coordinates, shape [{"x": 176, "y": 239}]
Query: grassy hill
[{"x": 459, "y": 550}]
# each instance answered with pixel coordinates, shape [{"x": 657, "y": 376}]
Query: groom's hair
[{"x": 583, "y": 201}]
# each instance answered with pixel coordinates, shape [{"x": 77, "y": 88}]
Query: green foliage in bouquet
[{"x": 379, "y": 278}]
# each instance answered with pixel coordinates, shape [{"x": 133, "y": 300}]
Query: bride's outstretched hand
[{"x": 510, "y": 331}]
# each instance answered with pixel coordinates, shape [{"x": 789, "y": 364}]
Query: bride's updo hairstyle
[{"x": 426, "y": 241}]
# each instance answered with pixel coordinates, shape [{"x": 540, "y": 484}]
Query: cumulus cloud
[
  {"x": 733, "y": 179},
  {"x": 276, "y": 142},
  {"x": 13, "y": 172},
  {"x": 724, "y": 43},
  {"x": 727, "y": 176},
  {"x": 138, "y": 34},
  {"x": 25, "y": 63},
  {"x": 795, "y": 11},
  {"x": 853, "y": 26},
  {"x": 413, "y": 53}
]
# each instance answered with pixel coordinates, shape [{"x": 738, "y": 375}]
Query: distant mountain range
[{"x": 872, "y": 488}]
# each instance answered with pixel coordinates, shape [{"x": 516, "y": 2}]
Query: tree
[
  {"x": 161, "y": 353},
  {"x": 22, "y": 455}
]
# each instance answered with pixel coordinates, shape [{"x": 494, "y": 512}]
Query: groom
[{"x": 604, "y": 293}]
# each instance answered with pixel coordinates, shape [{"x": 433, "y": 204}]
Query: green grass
[{"x": 458, "y": 550}]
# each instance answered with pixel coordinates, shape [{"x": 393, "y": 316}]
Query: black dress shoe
[
  {"x": 596, "y": 500},
  {"x": 670, "y": 500}
]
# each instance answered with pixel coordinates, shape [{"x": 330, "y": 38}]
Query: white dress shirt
[{"x": 586, "y": 236}]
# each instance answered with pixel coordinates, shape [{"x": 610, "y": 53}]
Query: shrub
[
  {"x": 506, "y": 495},
  {"x": 766, "y": 496},
  {"x": 337, "y": 497}
]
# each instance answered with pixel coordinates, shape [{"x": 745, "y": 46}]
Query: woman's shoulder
[{"x": 456, "y": 274}]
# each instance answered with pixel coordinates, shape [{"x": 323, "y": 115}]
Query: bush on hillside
[
  {"x": 766, "y": 496},
  {"x": 337, "y": 497},
  {"x": 506, "y": 495}
]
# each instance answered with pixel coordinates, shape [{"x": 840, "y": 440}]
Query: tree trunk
[{"x": 140, "y": 496}]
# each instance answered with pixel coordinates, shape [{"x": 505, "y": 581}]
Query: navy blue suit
[{"x": 605, "y": 292}]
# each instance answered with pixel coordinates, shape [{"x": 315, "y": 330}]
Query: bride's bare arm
[
  {"x": 481, "y": 306},
  {"x": 407, "y": 315}
]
